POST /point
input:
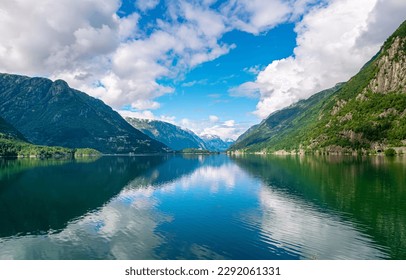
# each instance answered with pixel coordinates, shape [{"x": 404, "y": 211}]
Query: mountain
[
  {"x": 14, "y": 144},
  {"x": 367, "y": 113},
  {"x": 7, "y": 131},
  {"x": 171, "y": 135},
  {"x": 215, "y": 143},
  {"x": 283, "y": 128},
  {"x": 53, "y": 114}
]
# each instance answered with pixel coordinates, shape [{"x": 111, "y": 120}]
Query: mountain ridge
[
  {"x": 171, "y": 135},
  {"x": 53, "y": 114},
  {"x": 215, "y": 143}
]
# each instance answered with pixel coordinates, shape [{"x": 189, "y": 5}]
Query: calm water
[{"x": 203, "y": 207}]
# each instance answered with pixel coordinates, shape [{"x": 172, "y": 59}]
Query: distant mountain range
[
  {"x": 178, "y": 138},
  {"x": 365, "y": 114},
  {"x": 215, "y": 143},
  {"x": 171, "y": 135},
  {"x": 37, "y": 113},
  {"x": 53, "y": 114}
]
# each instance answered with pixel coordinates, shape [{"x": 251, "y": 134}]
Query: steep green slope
[
  {"x": 366, "y": 113},
  {"x": 13, "y": 144},
  {"x": 7, "y": 131},
  {"x": 53, "y": 114},
  {"x": 171, "y": 135},
  {"x": 369, "y": 112},
  {"x": 286, "y": 127}
]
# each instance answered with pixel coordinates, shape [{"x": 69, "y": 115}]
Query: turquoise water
[{"x": 203, "y": 207}]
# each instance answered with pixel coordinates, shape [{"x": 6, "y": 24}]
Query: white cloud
[
  {"x": 262, "y": 15},
  {"x": 253, "y": 69},
  {"x": 213, "y": 125},
  {"x": 43, "y": 37},
  {"x": 248, "y": 89},
  {"x": 223, "y": 131},
  {"x": 145, "y": 5},
  {"x": 111, "y": 58},
  {"x": 195, "y": 82},
  {"x": 333, "y": 42},
  {"x": 229, "y": 129},
  {"x": 382, "y": 21},
  {"x": 208, "y": 22},
  {"x": 255, "y": 16},
  {"x": 213, "y": 118},
  {"x": 128, "y": 27},
  {"x": 88, "y": 45},
  {"x": 169, "y": 119},
  {"x": 147, "y": 114},
  {"x": 229, "y": 123}
]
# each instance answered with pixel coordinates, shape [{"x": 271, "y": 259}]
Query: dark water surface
[{"x": 204, "y": 207}]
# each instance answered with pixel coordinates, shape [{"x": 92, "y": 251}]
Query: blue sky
[
  {"x": 204, "y": 93},
  {"x": 206, "y": 88},
  {"x": 215, "y": 67}
]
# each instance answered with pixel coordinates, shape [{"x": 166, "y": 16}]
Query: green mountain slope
[
  {"x": 171, "y": 135},
  {"x": 13, "y": 144},
  {"x": 284, "y": 128},
  {"x": 53, "y": 114},
  {"x": 7, "y": 131},
  {"x": 366, "y": 113}
]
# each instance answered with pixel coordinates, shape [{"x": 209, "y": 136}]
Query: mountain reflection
[
  {"x": 369, "y": 192},
  {"x": 124, "y": 223},
  {"x": 301, "y": 228},
  {"x": 37, "y": 196},
  {"x": 204, "y": 207}
]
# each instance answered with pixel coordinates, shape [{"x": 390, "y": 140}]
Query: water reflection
[
  {"x": 125, "y": 226},
  {"x": 37, "y": 196},
  {"x": 368, "y": 192},
  {"x": 203, "y": 207},
  {"x": 300, "y": 227}
]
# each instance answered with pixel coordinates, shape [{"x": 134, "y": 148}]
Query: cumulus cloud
[
  {"x": 248, "y": 89},
  {"x": 43, "y": 37},
  {"x": 145, "y": 5},
  {"x": 253, "y": 69},
  {"x": 255, "y": 16},
  {"x": 223, "y": 131},
  {"x": 213, "y": 125},
  {"x": 128, "y": 26},
  {"x": 172, "y": 49},
  {"x": 261, "y": 14},
  {"x": 110, "y": 57},
  {"x": 93, "y": 49},
  {"x": 213, "y": 118},
  {"x": 382, "y": 21},
  {"x": 333, "y": 42}
]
